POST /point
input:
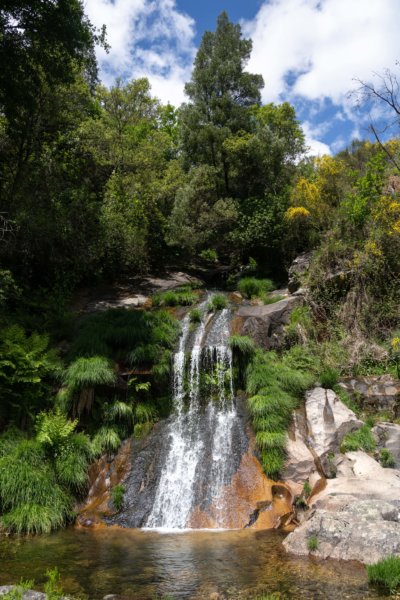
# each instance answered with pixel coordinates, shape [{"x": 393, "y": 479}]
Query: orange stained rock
[{"x": 249, "y": 493}]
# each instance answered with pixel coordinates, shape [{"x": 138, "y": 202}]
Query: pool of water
[{"x": 145, "y": 565}]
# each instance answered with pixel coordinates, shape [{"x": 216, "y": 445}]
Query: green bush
[
  {"x": 183, "y": 296},
  {"x": 312, "y": 543},
  {"x": 329, "y": 378},
  {"x": 250, "y": 287},
  {"x": 117, "y": 496},
  {"x": 386, "y": 458},
  {"x": 385, "y": 574},
  {"x": 362, "y": 439},
  {"x": 217, "y": 302},
  {"x": 195, "y": 316},
  {"x": 209, "y": 255}
]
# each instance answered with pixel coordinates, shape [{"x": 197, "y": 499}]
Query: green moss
[{"x": 385, "y": 574}]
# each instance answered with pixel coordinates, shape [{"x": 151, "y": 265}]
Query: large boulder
[
  {"x": 388, "y": 436},
  {"x": 355, "y": 516},
  {"x": 297, "y": 270},
  {"x": 300, "y": 464},
  {"x": 328, "y": 421},
  {"x": 265, "y": 323},
  {"x": 375, "y": 393},
  {"x": 366, "y": 530}
]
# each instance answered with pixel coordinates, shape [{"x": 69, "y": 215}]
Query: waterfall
[{"x": 197, "y": 463}]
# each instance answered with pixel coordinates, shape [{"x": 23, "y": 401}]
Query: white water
[{"x": 201, "y": 425}]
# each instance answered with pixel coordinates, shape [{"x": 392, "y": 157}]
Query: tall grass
[
  {"x": 274, "y": 388},
  {"x": 183, "y": 296},
  {"x": 250, "y": 287},
  {"x": 362, "y": 439},
  {"x": 385, "y": 574}
]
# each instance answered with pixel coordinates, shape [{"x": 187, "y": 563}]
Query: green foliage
[
  {"x": 271, "y": 299},
  {"x": 250, "y": 287},
  {"x": 195, "y": 316},
  {"x": 86, "y": 373},
  {"x": 117, "y": 496},
  {"x": 312, "y": 543},
  {"x": 17, "y": 593},
  {"x": 183, "y": 296},
  {"x": 385, "y": 574},
  {"x": 217, "y": 302},
  {"x": 243, "y": 345},
  {"x": 53, "y": 430},
  {"x": 27, "y": 370},
  {"x": 307, "y": 489},
  {"x": 362, "y": 439},
  {"x": 52, "y": 587},
  {"x": 209, "y": 255},
  {"x": 329, "y": 378},
  {"x": 386, "y": 458},
  {"x": 274, "y": 388},
  {"x": 106, "y": 440}
]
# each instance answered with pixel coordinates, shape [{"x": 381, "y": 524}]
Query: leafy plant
[
  {"x": 52, "y": 587},
  {"x": 385, "y": 573}
]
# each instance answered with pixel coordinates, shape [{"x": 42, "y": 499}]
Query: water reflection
[{"x": 190, "y": 565}]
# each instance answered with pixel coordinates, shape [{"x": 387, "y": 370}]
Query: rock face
[
  {"x": 328, "y": 421},
  {"x": 355, "y": 516},
  {"x": 265, "y": 324},
  {"x": 375, "y": 393},
  {"x": 387, "y": 436},
  {"x": 363, "y": 530},
  {"x": 297, "y": 270}
]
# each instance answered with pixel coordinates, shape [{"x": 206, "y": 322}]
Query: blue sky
[{"x": 308, "y": 51}]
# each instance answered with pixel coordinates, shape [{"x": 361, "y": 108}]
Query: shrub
[
  {"x": 312, "y": 543},
  {"x": 385, "y": 573},
  {"x": 217, "y": 302},
  {"x": 386, "y": 458},
  {"x": 362, "y": 439},
  {"x": 209, "y": 255},
  {"x": 195, "y": 316},
  {"x": 250, "y": 287},
  {"x": 117, "y": 496},
  {"x": 329, "y": 378}
]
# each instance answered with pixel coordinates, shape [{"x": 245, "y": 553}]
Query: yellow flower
[
  {"x": 371, "y": 247},
  {"x": 395, "y": 343},
  {"x": 297, "y": 212}
]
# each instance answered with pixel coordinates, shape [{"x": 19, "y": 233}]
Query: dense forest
[{"x": 104, "y": 184}]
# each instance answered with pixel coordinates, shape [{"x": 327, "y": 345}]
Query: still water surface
[{"x": 145, "y": 565}]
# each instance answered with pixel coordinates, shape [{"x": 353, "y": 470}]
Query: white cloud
[
  {"x": 322, "y": 45},
  {"x": 315, "y": 147},
  {"x": 148, "y": 38}
]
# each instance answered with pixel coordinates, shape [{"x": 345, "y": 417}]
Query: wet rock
[
  {"x": 297, "y": 270},
  {"x": 265, "y": 323},
  {"x": 328, "y": 421},
  {"x": 375, "y": 393},
  {"x": 388, "y": 436}
]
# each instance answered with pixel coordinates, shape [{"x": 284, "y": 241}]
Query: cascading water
[{"x": 198, "y": 462}]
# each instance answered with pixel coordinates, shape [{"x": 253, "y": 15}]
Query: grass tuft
[
  {"x": 250, "y": 287},
  {"x": 312, "y": 543},
  {"x": 385, "y": 574},
  {"x": 217, "y": 302},
  {"x": 362, "y": 439}
]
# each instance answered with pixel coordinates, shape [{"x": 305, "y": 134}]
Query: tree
[{"x": 220, "y": 95}]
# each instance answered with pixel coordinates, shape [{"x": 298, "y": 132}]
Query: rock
[
  {"x": 367, "y": 531},
  {"x": 300, "y": 464},
  {"x": 355, "y": 516},
  {"x": 265, "y": 323},
  {"x": 27, "y": 595},
  {"x": 388, "y": 436},
  {"x": 297, "y": 270},
  {"x": 375, "y": 393},
  {"x": 328, "y": 421}
]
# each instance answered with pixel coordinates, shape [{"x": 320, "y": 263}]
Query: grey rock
[
  {"x": 265, "y": 323},
  {"x": 27, "y": 595},
  {"x": 367, "y": 531},
  {"x": 375, "y": 393},
  {"x": 297, "y": 270},
  {"x": 388, "y": 436},
  {"x": 328, "y": 421}
]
